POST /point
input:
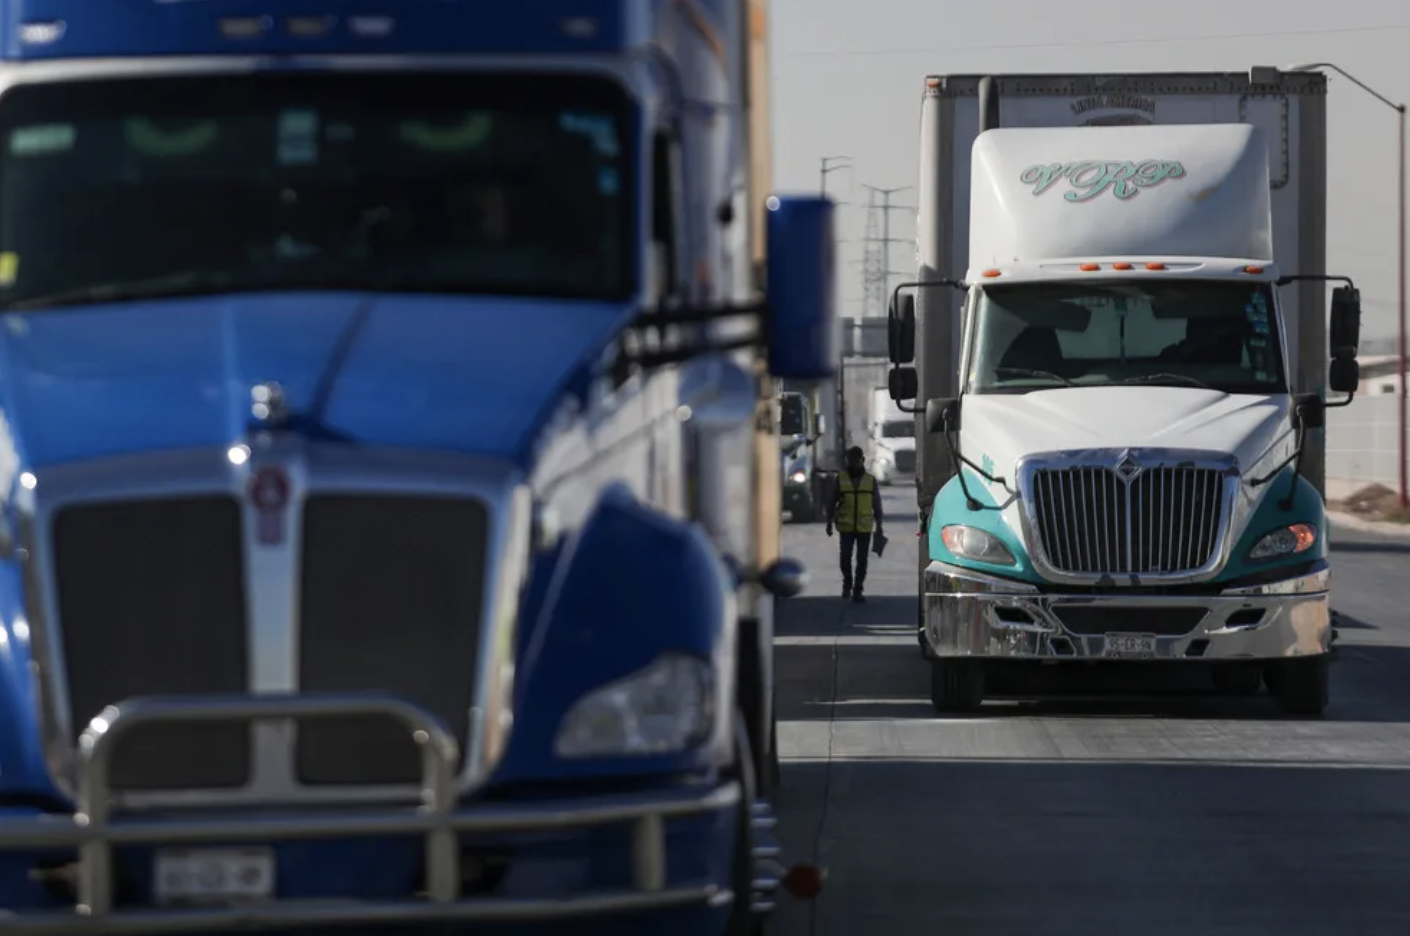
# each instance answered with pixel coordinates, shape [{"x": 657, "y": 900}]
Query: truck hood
[
  {"x": 473, "y": 375},
  {"x": 896, "y": 445},
  {"x": 1004, "y": 428}
]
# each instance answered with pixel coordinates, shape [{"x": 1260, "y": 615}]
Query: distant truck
[
  {"x": 808, "y": 442},
  {"x": 892, "y": 438},
  {"x": 1119, "y": 336}
]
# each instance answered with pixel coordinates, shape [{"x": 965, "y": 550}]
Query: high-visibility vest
[{"x": 854, "y": 503}]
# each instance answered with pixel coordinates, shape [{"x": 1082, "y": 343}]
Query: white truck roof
[{"x": 1045, "y": 200}]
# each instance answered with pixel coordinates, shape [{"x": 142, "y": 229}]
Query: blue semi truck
[{"x": 374, "y": 382}]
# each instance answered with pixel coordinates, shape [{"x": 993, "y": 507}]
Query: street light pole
[
  {"x": 831, "y": 164},
  {"x": 1402, "y": 365}
]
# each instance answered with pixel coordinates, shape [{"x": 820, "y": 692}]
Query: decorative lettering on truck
[{"x": 1089, "y": 179}]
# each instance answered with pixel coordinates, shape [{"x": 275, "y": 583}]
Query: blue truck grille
[
  {"x": 390, "y": 599},
  {"x": 1164, "y": 521},
  {"x": 151, "y": 601}
]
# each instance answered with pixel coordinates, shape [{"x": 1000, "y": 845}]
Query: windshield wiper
[
  {"x": 168, "y": 286},
  {"x": 1168, "y": 378},
  {"x": 1029, "y": 372}
]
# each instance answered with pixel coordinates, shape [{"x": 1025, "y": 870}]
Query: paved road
[{"x": 1171, "y": 812}]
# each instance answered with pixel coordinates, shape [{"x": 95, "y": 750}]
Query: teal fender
[
  {"x": 1268, "y": 516},
  {"x": 950, "y": 508}
]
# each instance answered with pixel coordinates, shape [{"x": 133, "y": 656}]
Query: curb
[{"x": 1381, "y": 527}]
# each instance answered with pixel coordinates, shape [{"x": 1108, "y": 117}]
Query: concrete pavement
[{"x": 1130, "y": 807}]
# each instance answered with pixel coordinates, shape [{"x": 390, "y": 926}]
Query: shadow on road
[
  {"x": 824, "y": 681},
  {"x": 914, "y": 848}
]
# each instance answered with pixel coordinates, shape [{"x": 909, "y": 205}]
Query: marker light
[
  {"x": 990, "y": 274},
  {"x": 1255, "y": 270},
  {"x": 244, "y": 27},
  {"x": 372, "y": 26},
  {"x": 1121, "y": 266},
  {"x": 1089, "y": 268},
  {"x": 309, "y": 27},
  {"x": 42, "y": 33},
  {"x": 1155, "y": 266}
]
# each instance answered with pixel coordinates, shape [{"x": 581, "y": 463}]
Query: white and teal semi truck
[{"x": 1119, "y": 338}]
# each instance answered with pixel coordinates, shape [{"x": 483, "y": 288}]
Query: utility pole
[
  {"x": 831, "y": 164},
  {"x": 876, "y": 265}
]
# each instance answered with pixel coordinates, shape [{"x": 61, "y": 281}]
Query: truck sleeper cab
[{"x": 349, "y": 574}]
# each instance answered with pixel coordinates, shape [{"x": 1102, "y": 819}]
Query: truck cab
[
  {"x": 390, "y": 493},
  {"x": 1126, "y": 440}
]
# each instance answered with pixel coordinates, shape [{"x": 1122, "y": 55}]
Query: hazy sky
[{"x": 848, "y": 78}]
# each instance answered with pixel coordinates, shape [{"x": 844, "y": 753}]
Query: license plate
[
  {"x": 1129, "y": 645},
  {"x": 214, "y": 875}
]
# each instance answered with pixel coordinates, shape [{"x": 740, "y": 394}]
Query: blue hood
[{"x": 458, "y": 374}]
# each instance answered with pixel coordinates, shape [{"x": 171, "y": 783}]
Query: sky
[{"x": 847, "y": 80}]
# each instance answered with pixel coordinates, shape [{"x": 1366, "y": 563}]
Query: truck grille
[
  {"x": 390, "y": 599},
  {"x": 1165, "y": 520},
  {"x": 905, "y": 460},
  {"x": 151, "y": 601}
]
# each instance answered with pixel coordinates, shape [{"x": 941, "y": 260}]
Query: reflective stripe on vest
[{"x": 855, "y": 511}]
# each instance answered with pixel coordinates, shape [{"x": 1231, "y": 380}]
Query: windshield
[
  {"x": 444, "y": 182},
  {"x": 898, "y": 429},
  {"x": 1036, "y": 336},
  {"x": 793, "y": 418}
]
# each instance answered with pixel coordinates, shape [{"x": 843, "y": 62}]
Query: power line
[{"x": 1090, "y": 43}]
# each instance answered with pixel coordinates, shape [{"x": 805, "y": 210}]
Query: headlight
[
  {"x": 1289, "y": 541},
  {"x": 662, "y": 709},
  {"x": 798, "y": 477},
  {"x": 968, "y": 543}
]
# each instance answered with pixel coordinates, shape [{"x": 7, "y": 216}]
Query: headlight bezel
[
  {"x": 1303, "y": 535},
  {"x": 603, "y": 724},
  {"x": 994, "y": 553}
]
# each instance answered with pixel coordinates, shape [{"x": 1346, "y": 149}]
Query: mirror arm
[
  {"x": 1340, "y": 403},
  {"x": 1314, "y": 278},
  {"x": 1295, "y": 459},
  {"x": 957, "y": 463}
]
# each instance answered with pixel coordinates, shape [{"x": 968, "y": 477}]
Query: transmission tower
[{"x": 876, "y": 256}]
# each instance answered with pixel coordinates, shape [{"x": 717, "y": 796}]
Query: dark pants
[{"x": 861, "y": 542}]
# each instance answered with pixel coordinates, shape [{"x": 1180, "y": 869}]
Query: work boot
[
  {"x": 858, "y": 597},
  {"x": 846, "y": 592}
]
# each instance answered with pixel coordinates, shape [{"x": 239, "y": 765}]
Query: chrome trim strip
[
  {"x": 95, "y": 833},
  {"x": 1108, "y": 458},
  {"x": 273, "y": 628},
  {"x": 963, "y": 618}
]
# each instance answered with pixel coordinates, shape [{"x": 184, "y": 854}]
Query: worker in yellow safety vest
[{"x": 855, "y": 510}]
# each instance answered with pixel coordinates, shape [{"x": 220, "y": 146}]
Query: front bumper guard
[
  {"x": 94, "y": 832},
  {"x": 971, "y": 614}
]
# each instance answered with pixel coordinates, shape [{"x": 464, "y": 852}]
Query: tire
[
  {"x": 956, "y": 685},
  {"x": 1237, "y": 679},
  {"x": 1304, "y": 685}
]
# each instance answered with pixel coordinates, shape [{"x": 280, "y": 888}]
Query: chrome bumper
[
  {"x": 969, "y": 614},
  {"x": 439, "y": 820}
]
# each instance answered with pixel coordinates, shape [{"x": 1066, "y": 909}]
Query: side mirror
[
  {"x": 1345, "y": 336},
  {"x": 901, "y": 329},
  {"x": 942, "y": 414},
  {"x": 902, "y": 383},
  {"x": 802, "y": 324},
  {"x": 819, "y": 425},
  {"x": 1310, "y": 411},
  {"x": 786, "y": 578},
  {"x": 1345, "y": 375}
]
